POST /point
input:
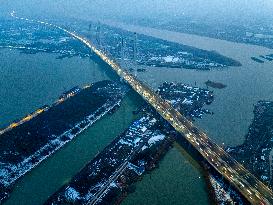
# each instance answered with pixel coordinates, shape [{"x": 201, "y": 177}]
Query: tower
[
  {"x": 89, "y": 28},
  {"x": 135, "y": 47},
  {"x": 99, "y": 36},
  {"x": 135, "y": 54},
  {"x": 122, "y": 49}
]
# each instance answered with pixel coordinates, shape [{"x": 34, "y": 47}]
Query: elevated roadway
[{"x": 246, "y": 183}]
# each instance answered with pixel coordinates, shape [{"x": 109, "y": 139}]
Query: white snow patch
[
  {"x": 264, "y": 177},
  {"x": 143, "y": 129},
  {"x": 124, "y": 142},
  {"x": 155, "y": 139},
  {"x": 144, "y": 147},
  {"x": 188, "y": 102},
  {"x": 170, "y": 59},
  {"x": 136, "y": 140},
  {"x": 71, "y": 194}
]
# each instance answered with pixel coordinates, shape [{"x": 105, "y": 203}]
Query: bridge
[{"x": 246, "y": 183}]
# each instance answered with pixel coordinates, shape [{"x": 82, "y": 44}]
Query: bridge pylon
[{"x": 99, "y": 35}]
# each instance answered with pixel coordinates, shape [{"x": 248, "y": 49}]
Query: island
[
  {"x": 215, "y": 84},
  {"x": 144, "y": 50},
  {"x": 110, "y": 176},
  {"x": 27, "y": 142}
]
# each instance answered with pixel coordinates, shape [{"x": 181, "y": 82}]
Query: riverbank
[
  {"x": 256, "y": 33},
  {"x": 53, "y": 128},
  {"x": 110, "y": 176},
  {"x": 256, "y": 151}
]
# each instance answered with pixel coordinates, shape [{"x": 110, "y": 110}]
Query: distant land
[{"x": 256, "y": 34}]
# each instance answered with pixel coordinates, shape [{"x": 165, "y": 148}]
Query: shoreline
[
  {"x": 143, "y": 158},
  {"x": 10, "y": 173},
  {"x": 255, "y": 153}
]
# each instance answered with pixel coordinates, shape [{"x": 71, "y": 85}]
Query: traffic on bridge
[{"x": 245, "y": 182}]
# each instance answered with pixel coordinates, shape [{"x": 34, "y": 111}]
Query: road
[
  {"x": 38, "y": 112},
  {"x": 105, "y": 187},
  {"x": 246, "y": 183},
  {"x": 113, "y": 178}
]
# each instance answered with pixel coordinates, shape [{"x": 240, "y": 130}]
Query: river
[
  {"x": 38, "y": 81},
  {"x": 30, "y": 81},
  {"x": 233, "y": 106}
]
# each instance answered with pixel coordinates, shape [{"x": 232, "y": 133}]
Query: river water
[
  {"x": 38, "y": 81},
  {"x": 233, "y": 106},
  {"x": 178, "y": 180},
  {"x": 30, "y": 81}
]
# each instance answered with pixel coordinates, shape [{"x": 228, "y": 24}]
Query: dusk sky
[{"x": 224, "y": 9}]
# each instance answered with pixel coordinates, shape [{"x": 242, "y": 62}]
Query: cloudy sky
[{"x": 212, "y": 9}]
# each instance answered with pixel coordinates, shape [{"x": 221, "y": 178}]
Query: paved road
[
  {"x": 253, "y": 189},
  {"x": 105, "y": 187},
  {"x": 246, "y": 183},
  {"x": 116, "y": 174}
]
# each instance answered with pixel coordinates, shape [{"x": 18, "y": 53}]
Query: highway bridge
[{"x": 246, "y": 183}]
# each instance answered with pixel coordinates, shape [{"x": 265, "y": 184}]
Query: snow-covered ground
[
  {"x": 10, "y": 172},
  {"x": 108, "y": 171},
  {"x": 223, "y": 192}
]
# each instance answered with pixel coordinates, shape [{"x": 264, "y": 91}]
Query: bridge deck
[{"x": 245, "y": 182}]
